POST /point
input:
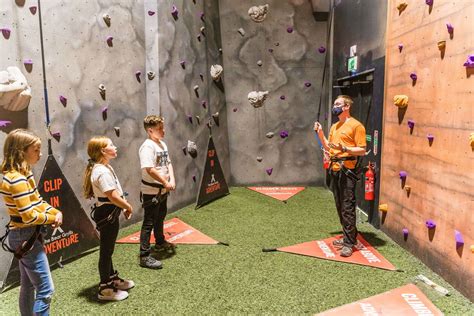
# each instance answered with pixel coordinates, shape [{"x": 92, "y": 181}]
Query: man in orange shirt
[{"x": 346, "y": 142}]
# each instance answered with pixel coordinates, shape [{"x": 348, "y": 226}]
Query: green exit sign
[{"x": 352, "y": 64}]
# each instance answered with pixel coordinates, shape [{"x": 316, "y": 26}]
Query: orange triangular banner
[
  {"x": 279, "y": 193},
  {"x": 177, "y": 232},
  {"x": 364, "y": 253},
  {"x": 406, "y": 300}
]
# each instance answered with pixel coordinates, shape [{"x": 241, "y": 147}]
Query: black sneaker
[
  {"x": 164, "y": 246},
  {"x": 150, "y": 263},
  {"x": 346, "y": 251}
]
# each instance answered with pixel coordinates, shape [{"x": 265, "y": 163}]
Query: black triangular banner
[{"x": 213, "y": 184}]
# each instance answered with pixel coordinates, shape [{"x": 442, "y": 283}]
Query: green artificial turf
[{"x": 241, "y": 278}]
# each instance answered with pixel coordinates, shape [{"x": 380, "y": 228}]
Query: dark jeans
[
  {"x": 152, "y": 220},
  {"x": 108, "y": 236},
  {"x": 343, "y": 189}
]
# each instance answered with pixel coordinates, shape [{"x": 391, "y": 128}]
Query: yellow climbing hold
[
  {"x": 471, "y": 140},
  {"x": 400, "y": 100},
  {"x": 401, "y": 7},
  {"x": 383, "y": 207},
  {"x": 472, "y": 248},
  {"x": 442, "y": 45}
]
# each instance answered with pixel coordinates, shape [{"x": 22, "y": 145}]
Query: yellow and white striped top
[{"x": 24, "y": 202}]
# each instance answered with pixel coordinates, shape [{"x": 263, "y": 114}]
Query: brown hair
[
  {"x": 347, "y": 99},
  {"x": 94, "y": 150},
  {"x": 152, "y": 121},
  {"x": 16, "y": 144}
]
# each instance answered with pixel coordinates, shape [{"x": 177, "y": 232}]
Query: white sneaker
[
  {"x": 108, "y": 292},
  {"x": 120, "y": 283}
]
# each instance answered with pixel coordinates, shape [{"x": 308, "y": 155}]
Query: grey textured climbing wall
[{"x": 286, "y": 44}]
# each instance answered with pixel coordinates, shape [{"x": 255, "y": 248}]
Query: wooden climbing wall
[{"x": 441, "y": 176}]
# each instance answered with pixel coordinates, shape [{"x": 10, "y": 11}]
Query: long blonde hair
[
  {"x": 14, "y": 149},
  {"x": 94, "y": 150}
]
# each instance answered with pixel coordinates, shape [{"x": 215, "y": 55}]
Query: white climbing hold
[
  {"x": 258, "y": 13},
  {"x": 256, "y": 98},
  {"x": 216, "y": 72}
]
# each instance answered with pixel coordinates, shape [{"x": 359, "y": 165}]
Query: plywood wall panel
[{"x": 441, "y": 176}]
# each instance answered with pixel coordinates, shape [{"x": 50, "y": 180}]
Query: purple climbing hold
[
  {"x": 269, "y": 171},
  {"x": 458, "y": 238},
  {"x": 270, "y": 50},
  {"x": 110, "y": 41},
  {"x": 411, "y": 124},
  {"x": 430, "y": 224},
  {"x": 63, "y": 100},
  {"x": 450, "y": 28},
  {"x": 234, "y": 110},
  {"x": 151, "y": 13},
  {"x": 307, "y": 84},
  {"x": 204, "y": 103},
  {"x": 289, "y": 29},
  {"x": 5, "y": 123},
  {"x": 400, "y": 47},
  {"x": 104, "y": 112},
  {"x": 6, "y": 32},
  {"x": 201, "y": 15},
  {"x": 469, "y": 62},
  {"x": 28, "y": 62},
  {"x": 322, "y": 49},
  {"x": 430, "y": 137},
  {"x": 56, "y": 136},
  {"x": 284, "y": 134},
  {"x": 403, "y": 174},
  {"x": 33, "y": 9},
  {"x": 183, "y": 63},
  {"x": 405, "y": 232},
  {"x": 190, "y": 119},
  {"x": 194, "y": 178},
  {"x": 429, "y": 2},
  {"x": 282, "y": 97},
  {"x": 138, "y": 73},
  {"x": 174, "y": 11},
  {"x": 413, "y": 76}
]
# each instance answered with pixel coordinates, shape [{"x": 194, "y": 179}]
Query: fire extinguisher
[
  {"x": 326, "y": 160},
  {"x": 369, "y": 183}
]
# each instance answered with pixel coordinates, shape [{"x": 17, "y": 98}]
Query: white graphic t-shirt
[
  {"x": 103, "y": 179},
  {"x": 153, "y": 155}
]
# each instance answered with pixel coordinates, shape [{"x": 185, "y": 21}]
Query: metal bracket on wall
[{"x": 361, "y": 78}]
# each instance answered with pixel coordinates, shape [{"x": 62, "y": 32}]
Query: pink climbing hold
[
  {"x": 469, "y": 62},
  {"x": 269, "y": 171},
  {"x": 405, "y": 233},
  {"x": 33, "y": 9},
  {"x": 5, "y": 123},
  {"x": 201, "y": 15},
  {"x": 307, "y": 84},
  {"x": 282, "y": 97},
  {"x": 6, "y": 32},
  {"x": 450, "y": 28},
  {"x": 174, "y": 12},
  {"x": 429, "y": 2},
  {"x": 63, "y": 100},
  {"x": 151, "y": 13},
  {"x": 56, "y": 136},
  {"x": 234, "y": 110},
  {"x": 400, "y": 47},
  {"x": 110, "y": 41},
  {"x": 430, "y": 224},
  {"x": 28, "y": 62},
  {"x": 403, "y": 175}
]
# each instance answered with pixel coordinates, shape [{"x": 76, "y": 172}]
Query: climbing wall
[
  {"x": 279, "y": 55},
  {"x": 427, "y": 160}
]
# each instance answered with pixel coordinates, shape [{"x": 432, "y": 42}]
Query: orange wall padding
[{"x": 441, "y": 103}]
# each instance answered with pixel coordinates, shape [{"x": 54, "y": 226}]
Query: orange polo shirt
[{"x": 350, "y": 133}]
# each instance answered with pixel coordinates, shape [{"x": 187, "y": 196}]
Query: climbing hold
[
  {"x": 429, "y": 2},
  {"x": 198, "y": 37},
  {"x": 241, "y": 32},
  {"x": 220, "y": 50},
  {"x": 117, "y": 131},
  {"x": 469, "y": 62},
  {"x": 411, "y": 124},
  {"x": 472, "y": 248},
  {"x": 138, "y": 73},
  {"x": 185, "y": 151},
  {"x": 458, "y": 238},
  {"x": 413, "y": 76},
  {"x": 196, "y": 88},
  {"x": 110, "y": 41},
  {"x": 259, "y": 63},
  {"x": 442, "y": 45},
  {"x": 56, "y": 136},
  {"x": 307, "y": 84},
  {"x": 269, "y": 134},
  {"x": 63, "y": 100},
  {"x": 150, "y": 75},
  {"x": 408, "y": 189},
  {"x": 259, "y": 159},
  {"x": 192, "y": 149},
  {"x": 201, "y": 15},
  {"x": 106, "y": 19},
  {"x": 28, "y": 65},
  {"x": 256, "y": 98},
  {"x": 190, "y": 118},
  {"x": 322, "y": 49},
  {"x": 209, "y": 123},
  {"x": 277, "y": 44},
  {"x": 201, "y": 75},
  {"x": 430, "y": 138},
  {"x": 269, "y": 171},
  {"x": 102, "y": 91},
  {"x": 216, "y": 72},
  {"x": 151, "y": 13},
  {"x": 430, "y": 224},
  {"x": 234, "y": 110},
  {"x": 33, "y": 9},
  {"x": 183, "y": 64},
  {"x": 401, "y": 7},
  {"x": 383, "y": 207},
  {"x": 400, "y": 100},
  {"x": 405, "y": 233},
  {"x": 215, "y": 117},
  {"x": 5, "y": 123},
  {"x": 258, "y": 13},
  {"x": 198, "y": 119},
  {"x": 284, "y": 134},
  {"x": 450, "y": 28},
  {"x": 194, "y": 178},
  {"x": 289, "y": 29},
  {"x": 204, "y": 104},
  {"x": 6, "y": 32},
  {"x": 174, "y": 12},
  {"x": 403, "y": 175},
  {"x": 400, "y": 47},
  {"x": 471, "y": 140},
  {"x": 282, "y": 97},
  {"x": 104, "y": 112},
  {"x": 202, "y": 29},
  {"x": 270, "y": 50}
]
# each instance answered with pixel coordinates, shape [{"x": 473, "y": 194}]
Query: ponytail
[
  {"x": 87, "y": 184},
  {"x": 94, "y": 150}
]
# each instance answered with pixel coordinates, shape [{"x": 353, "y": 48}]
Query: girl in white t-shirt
[{"x": 101, "y": 182}]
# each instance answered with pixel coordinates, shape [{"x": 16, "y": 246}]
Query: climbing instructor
[{"x": 346, "y": 142}]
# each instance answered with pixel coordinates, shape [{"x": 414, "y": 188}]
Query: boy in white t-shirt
[{"x": 157, "y": 181}]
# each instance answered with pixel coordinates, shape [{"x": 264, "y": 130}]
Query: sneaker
[
  {"x": 108, "y": 292},
  {"x": 120, "y": 283},
  {"x": 346, "y": 251},
  {"x": 150, "y": 262},
  {"x": 164, "y": 246},
  {"x": 338, "y": 243}
]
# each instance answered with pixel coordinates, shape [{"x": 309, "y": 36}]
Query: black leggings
[
  {"x": 152, "y": 220},
  {"x": 108, "y": 236}
]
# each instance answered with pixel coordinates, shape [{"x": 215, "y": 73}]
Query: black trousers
[
  {"x": 108, "y": 236},
  {"x": 152, "y": 220},
  {"x": 343, "y": 189}
]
